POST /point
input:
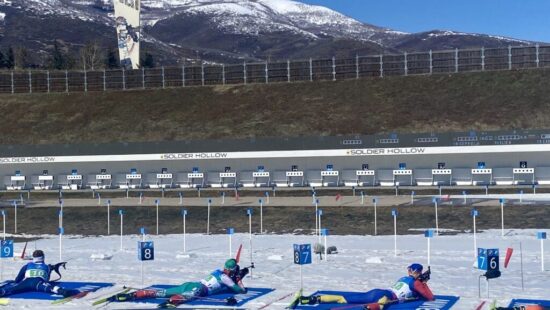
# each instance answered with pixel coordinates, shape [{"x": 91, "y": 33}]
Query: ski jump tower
[{"x": 128, "y": 32}]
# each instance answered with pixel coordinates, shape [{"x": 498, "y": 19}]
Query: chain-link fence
[{"x": 432, "y": 62}]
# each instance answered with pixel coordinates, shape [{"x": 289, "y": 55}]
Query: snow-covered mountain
[{"x": 177, "y": 30}]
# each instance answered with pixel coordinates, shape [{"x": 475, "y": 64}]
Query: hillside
[{"x": 480, "y": 101}]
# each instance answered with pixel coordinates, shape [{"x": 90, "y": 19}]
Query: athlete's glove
[
  {"x": 425, "y": 276},
  {"x": 243, "y": 272},
  {"x": 231, "y": 301}
]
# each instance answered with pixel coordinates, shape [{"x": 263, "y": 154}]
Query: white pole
[
  {"x": 301, "y": 280},
  {"x": 181, "y": 199},
  {"x": 436, "y": 218},
  {"x": 395, "y": 235},
  {"x": 261, "y": 217},
  {"x": 375, "y": 218},
  {"x": 223, "y": 198},
  {"x": 61, "y": 215},
  {"x": 60, "y": 232},
  {"x": 98, "y": 199},
  {"x": 4, "y": 224},
  {"x": 521, "y": 265},
  {"x": 502, "y": 216},
  {"x": 208, "y": 218},
  {"x": 157, "y": 203},
  {"x": 362, "y": 198},
  {"x": 60, "y": 244},
  {"x": 142, "y": 239},
  {"x": 121, "y": 225},
  {"x": 267, "y": 197},
  {"x": 108, "y": 217},
  {"x": 230, "y": 235},
  {"x": 412, "y": 198},
  {"x": 542, "y": 255},
  {"x": 475, "y": 237},
  {"x": 316, "y": 216},
  {"x": 428, "y": 251},
  {"x": 15, "y": 215},
  {"x": 326, "y": 250},
  {"x": 249, "y": 212},
  {"x": 184, "y": 230},
  {"x": 320, "y": 213}
]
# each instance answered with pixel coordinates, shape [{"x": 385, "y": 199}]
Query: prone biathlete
[
  {"x": 35, "y": 277},
  {"x": 228, "y": 279},
  {"x": 411, "y": 287}
]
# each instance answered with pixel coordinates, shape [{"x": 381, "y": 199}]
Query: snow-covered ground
[{"x": 363, "y": 262}]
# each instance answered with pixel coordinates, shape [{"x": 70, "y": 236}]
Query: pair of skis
[
  {"x": 231, "y": 301},
  {"x": 174, "y": 303},
  {"x": 298, "y": 295}
]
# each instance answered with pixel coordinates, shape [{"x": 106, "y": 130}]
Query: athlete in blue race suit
[
  {"x": 411, "y": 287},
  {"x": 34, "y": 277}
]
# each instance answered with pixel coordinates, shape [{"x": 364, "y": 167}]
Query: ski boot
[
  {"x": 139, "y": 294},
  {"x": 310, "y": 300},
  {"x": 68, "y": 292}
]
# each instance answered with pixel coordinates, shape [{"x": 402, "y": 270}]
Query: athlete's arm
[
  {"x": 234, "y": 287},
  {"x": 21, "y": 274},
  {"x": 422, "y": 289}
]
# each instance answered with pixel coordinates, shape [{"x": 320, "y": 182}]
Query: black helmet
[{"x": 38, "y": 256}]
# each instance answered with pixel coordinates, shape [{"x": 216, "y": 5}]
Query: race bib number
[
  {"x": 35, "y": 273},
  {"x": 401, "y": 290},
  {"x": 212, "y": 283}
]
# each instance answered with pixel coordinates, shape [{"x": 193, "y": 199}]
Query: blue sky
[{"x": 521, "y": 19}]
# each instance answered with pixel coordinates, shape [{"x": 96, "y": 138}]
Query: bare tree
[{"x": 91, "y": 56}]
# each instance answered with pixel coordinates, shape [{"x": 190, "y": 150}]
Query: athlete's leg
[{"x": 369, "y": 297}]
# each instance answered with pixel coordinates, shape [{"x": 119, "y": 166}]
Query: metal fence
[{"x": 432, "y": 62}]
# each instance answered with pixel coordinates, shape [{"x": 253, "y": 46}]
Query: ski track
[{"x": 363, "y": 263}]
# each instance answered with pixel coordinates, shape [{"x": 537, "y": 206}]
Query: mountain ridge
[{"x": 179, "y": 31}]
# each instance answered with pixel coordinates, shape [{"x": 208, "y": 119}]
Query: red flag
[
  {"x": 509, "y": 252},
  {"x": 338, "y": 196},
  {"x": 24, "y": 250},
  {"x": 238, "y": 256}
]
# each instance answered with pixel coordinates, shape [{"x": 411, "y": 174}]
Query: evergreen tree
[
  {"x": 22, "y": 58},
  {"x": 112, "y": 60},
  {"x": 2, "y": 60},
  {"x": 59, "y": 60},
  {"x": 9, "y": 59},
  {"x": 148, "y": 61}
]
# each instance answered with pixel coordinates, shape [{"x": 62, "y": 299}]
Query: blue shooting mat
[
  {"x": 441, "y": 302},
  {"x": 524, "y": 302},
  {"x": 252, "y": 293},
  {"x": 82, "y": 286}
]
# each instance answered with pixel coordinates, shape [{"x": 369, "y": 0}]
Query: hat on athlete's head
[
  {"x": 230, "y": 264},
  {"x": 415, "y": 267},
  {"x": 38, "y": 256}
]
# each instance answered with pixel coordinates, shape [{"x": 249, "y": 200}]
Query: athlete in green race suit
[{"x": 219, "y": 281}]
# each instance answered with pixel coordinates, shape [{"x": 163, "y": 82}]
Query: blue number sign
[
  {"x": 302, "y": 254},
  {"x": 487, "y": 259},
  {"x": 7, "y": 248},
  {"x": 146, "y": 250},
  {"x": 429, "y": 233}
]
